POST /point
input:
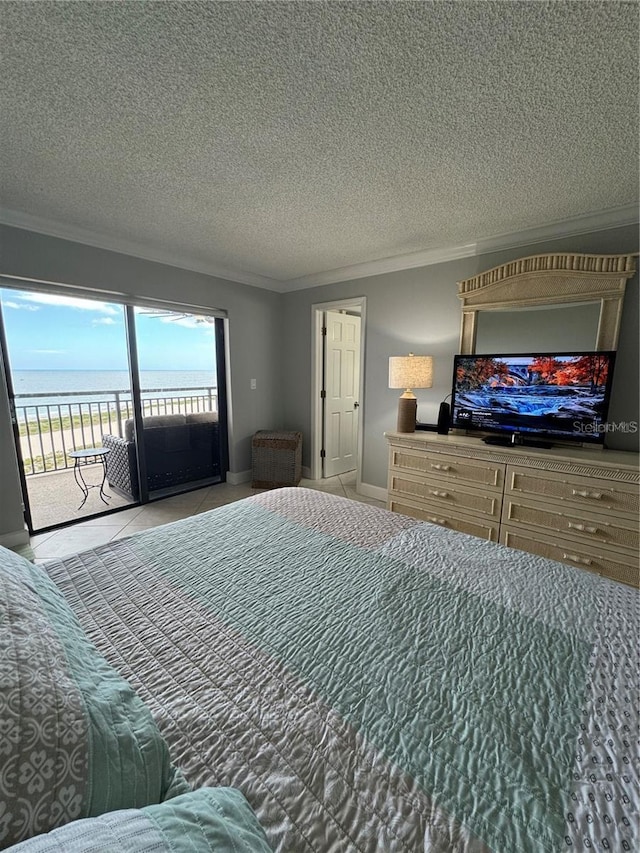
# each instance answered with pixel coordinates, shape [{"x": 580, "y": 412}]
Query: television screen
[{"x": 549, "y": 395}]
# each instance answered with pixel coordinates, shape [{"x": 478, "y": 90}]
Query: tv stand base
[{"x": 516, "y": 441}]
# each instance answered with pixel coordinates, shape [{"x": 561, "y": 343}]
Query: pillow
[
  {"x": 75, "y": 740},
  {"x": 202, "y": 418},
  {"x": 216, "y": 819},
  {"x": 153, "y": 422}
]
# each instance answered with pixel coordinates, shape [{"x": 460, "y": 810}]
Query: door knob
[{"x": 356, "y": 405}]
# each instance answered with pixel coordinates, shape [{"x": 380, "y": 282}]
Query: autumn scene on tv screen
[{"x": 545, "y": 392}]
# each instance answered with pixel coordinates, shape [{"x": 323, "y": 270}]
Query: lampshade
[{"x": 410, "y": 371}]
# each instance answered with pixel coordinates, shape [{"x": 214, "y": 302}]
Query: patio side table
[{"x": 89, "y": 456}]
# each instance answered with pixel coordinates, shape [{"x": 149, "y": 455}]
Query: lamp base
[{"x": 407, "y": 411}]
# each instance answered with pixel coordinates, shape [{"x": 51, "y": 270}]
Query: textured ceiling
[{"x": 283, "y": 140}]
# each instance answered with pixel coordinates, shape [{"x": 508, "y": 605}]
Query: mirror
[
  {"x": 556, "y": 283},
  {"x": 569, "y": 328}
]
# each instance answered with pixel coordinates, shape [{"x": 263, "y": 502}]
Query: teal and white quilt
[{"x": 373, "y": 683}]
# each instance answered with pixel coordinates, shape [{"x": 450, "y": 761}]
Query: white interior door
[{"x": 341, "y": 383}]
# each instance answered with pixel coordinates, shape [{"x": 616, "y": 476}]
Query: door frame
[
  {"x": 7, "y": 378},
  {"x": 317, "y": 358}
]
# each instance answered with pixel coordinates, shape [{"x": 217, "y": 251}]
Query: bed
[{"x": 373, "y": 683}]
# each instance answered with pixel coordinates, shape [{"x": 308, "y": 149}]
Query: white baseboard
[
  {"x": 236, "y": 478},
  {"x": 18, "y": 537},
  {"x": 376, "y": 492}
]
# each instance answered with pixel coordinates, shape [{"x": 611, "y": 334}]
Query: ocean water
[{"x": 72, "y": 386}]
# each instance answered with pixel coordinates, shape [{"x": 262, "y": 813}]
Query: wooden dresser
[{"x": 575, "y": 505}]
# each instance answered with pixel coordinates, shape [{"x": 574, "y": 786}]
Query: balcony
[{"x": 52, "y": 425}]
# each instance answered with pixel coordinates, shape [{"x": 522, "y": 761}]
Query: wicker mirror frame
[{"x": 545, "y": 280}]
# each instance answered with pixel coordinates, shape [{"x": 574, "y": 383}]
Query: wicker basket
[{"x": 276, "y": 459}]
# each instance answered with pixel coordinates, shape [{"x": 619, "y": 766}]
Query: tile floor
[{"x": 97, "y": 531}]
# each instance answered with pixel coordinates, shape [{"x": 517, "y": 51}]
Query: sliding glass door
[
  {"x": 178, "y": 374},
  {"x": 67, "y": 371},
  {"x": 112, "y": 405}
]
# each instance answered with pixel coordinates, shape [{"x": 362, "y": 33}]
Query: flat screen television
[{"x": 533, "y": 398}]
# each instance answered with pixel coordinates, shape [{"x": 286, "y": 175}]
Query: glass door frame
[
  {"x": 136, "y": 397},
  {"x": 219, "y": 323},
  {"x": 136, "y": 393},
  {"x": 221, "y": 379},
  {"x": 8, "y": 379}
]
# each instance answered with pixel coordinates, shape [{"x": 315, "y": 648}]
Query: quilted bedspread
[{"x": 372, "y": 683}]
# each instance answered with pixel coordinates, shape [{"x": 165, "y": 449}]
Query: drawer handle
[
  {"x": 583, "y": 528},
  {"x": 438, "y": 467},
  {"x": 437, "y": 493},
  {"x": 441, "y": 521},
  {"x": 574, "y": 558},
  {"x": 583, "y": 493}
]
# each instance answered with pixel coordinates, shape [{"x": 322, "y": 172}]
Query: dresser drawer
[
  {"x": 610, "y": 530},
  {"x": 577, "y": 506},
  {"x": 474, "y": 472},
  {"x": 612, "y": 565},
  {"x": 463, "y": 524},
  {"x": 442, "y": 497},
  {"x": 582, "y": 493}
]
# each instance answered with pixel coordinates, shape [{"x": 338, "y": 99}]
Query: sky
[{"x": 49, "y": 332}]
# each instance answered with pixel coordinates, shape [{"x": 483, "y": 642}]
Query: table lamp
[{"x": 408, "y": 372}]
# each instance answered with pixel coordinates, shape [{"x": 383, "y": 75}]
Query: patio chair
[{"x": 178, "y": 449}]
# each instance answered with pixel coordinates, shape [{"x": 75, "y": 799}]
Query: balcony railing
[{"x": 48, "y": 430}]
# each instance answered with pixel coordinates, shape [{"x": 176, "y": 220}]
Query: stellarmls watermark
[{"x": 629, "y": 427}]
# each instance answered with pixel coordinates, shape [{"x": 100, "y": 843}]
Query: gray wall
[
  {"x": 254, "y": 334},
  {"x": 418, "y": 311}
]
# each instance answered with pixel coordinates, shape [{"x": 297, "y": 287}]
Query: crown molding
[
  {"x": 602, "y": 221},
  {"x": 612, "y": 218},
  {"x": 85, "y": 236},
  {"x": 384, "y": 265}
]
